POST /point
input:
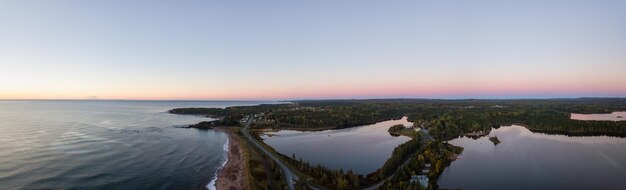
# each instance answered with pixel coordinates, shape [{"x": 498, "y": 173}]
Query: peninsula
[{"x": 435, "y": 121}]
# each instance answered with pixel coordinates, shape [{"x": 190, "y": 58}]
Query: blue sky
[{"x": 311, "y": 49}]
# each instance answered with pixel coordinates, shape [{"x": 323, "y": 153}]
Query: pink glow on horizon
[
  {"x": 425, "y": 92},
  {"x": 397, "y": 91},
  {"x": 393, "y": 88}
]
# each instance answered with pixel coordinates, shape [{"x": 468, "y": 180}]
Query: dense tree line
[
  {"x": 436, "y": 153},
  {"x": 399, "y": 130},
  {"x": 537, "y": 119},
  {"x": 396, "y": 128},
  {"x": 226, "y": 121},
  {"x": 332, "y": 179},
  {"x": 264, "y": 173},
  {"x": 446, "y": 118},
  {"x": 214, "y": 112},
  {"x": 400, "y": 154}
]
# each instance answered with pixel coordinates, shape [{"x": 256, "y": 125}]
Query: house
[{"x": 421, "y": 179}]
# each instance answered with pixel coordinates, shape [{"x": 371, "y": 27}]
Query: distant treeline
[{"x": 446, "y": 118}]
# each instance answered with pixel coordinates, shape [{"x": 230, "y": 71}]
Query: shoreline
[
  {"x": 231, "y": 175},
  {"x": 211, "y": 185}
]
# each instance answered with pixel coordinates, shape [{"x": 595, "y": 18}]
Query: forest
[
  {"x": 445, "y": 118},
  {"x": 331, "y": 179},
  {"x": 442, "y": 119},
  {"x": 436, "y": 154}
]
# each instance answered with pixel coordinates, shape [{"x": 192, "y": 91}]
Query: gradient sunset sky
[{"x": 244, "y": 50}]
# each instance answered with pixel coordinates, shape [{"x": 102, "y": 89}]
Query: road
[
  {"x": 290, "y": 176},
  {"x": 428, "y": 138}
]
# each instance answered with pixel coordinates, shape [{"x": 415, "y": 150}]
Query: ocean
[{"x": 102, "y": 144}]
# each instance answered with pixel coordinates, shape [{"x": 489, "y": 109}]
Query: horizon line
[{"x": 321, "y": 99}]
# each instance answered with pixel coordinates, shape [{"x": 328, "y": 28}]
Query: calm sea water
[
  {"x": 527, "y": 160},
  {"x": 361, "y": 149},
  {"x": 106, "y": 145}
]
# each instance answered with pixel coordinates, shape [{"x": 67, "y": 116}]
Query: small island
[{"x": 494, "y": 140}]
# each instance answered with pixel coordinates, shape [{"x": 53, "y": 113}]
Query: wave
[{"x": 211, "y": 185}]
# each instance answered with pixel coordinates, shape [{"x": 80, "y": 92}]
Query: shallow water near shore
[
  {"x": 361, "y": 149},
  {"x": 212, "y": 183},
  {"x": 106, "y": 145},
  {"x": 527, "y": 160}
]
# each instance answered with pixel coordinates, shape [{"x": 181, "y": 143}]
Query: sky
[{"x": 322, "y": 49}]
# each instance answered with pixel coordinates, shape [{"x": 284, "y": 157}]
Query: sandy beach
[{"x": 232, "y": 176}]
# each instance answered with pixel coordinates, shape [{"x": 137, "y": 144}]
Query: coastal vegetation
[
  {"x": 331, "y": 179},
  {"x": 340, "y": 179},
  {"x": 431, "y": 160},
  {"x": 399, "y": 155},
  {"x": 264, "y": 173},
  {"x": 440, "y": 120},
  {"x": 215, "y": 123},
  {"x": 445, "y": 118},
  {"x": 494, "y": 140},
  {"x": 315, "y": 175},
  {"x": 398, "y": 130}
]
